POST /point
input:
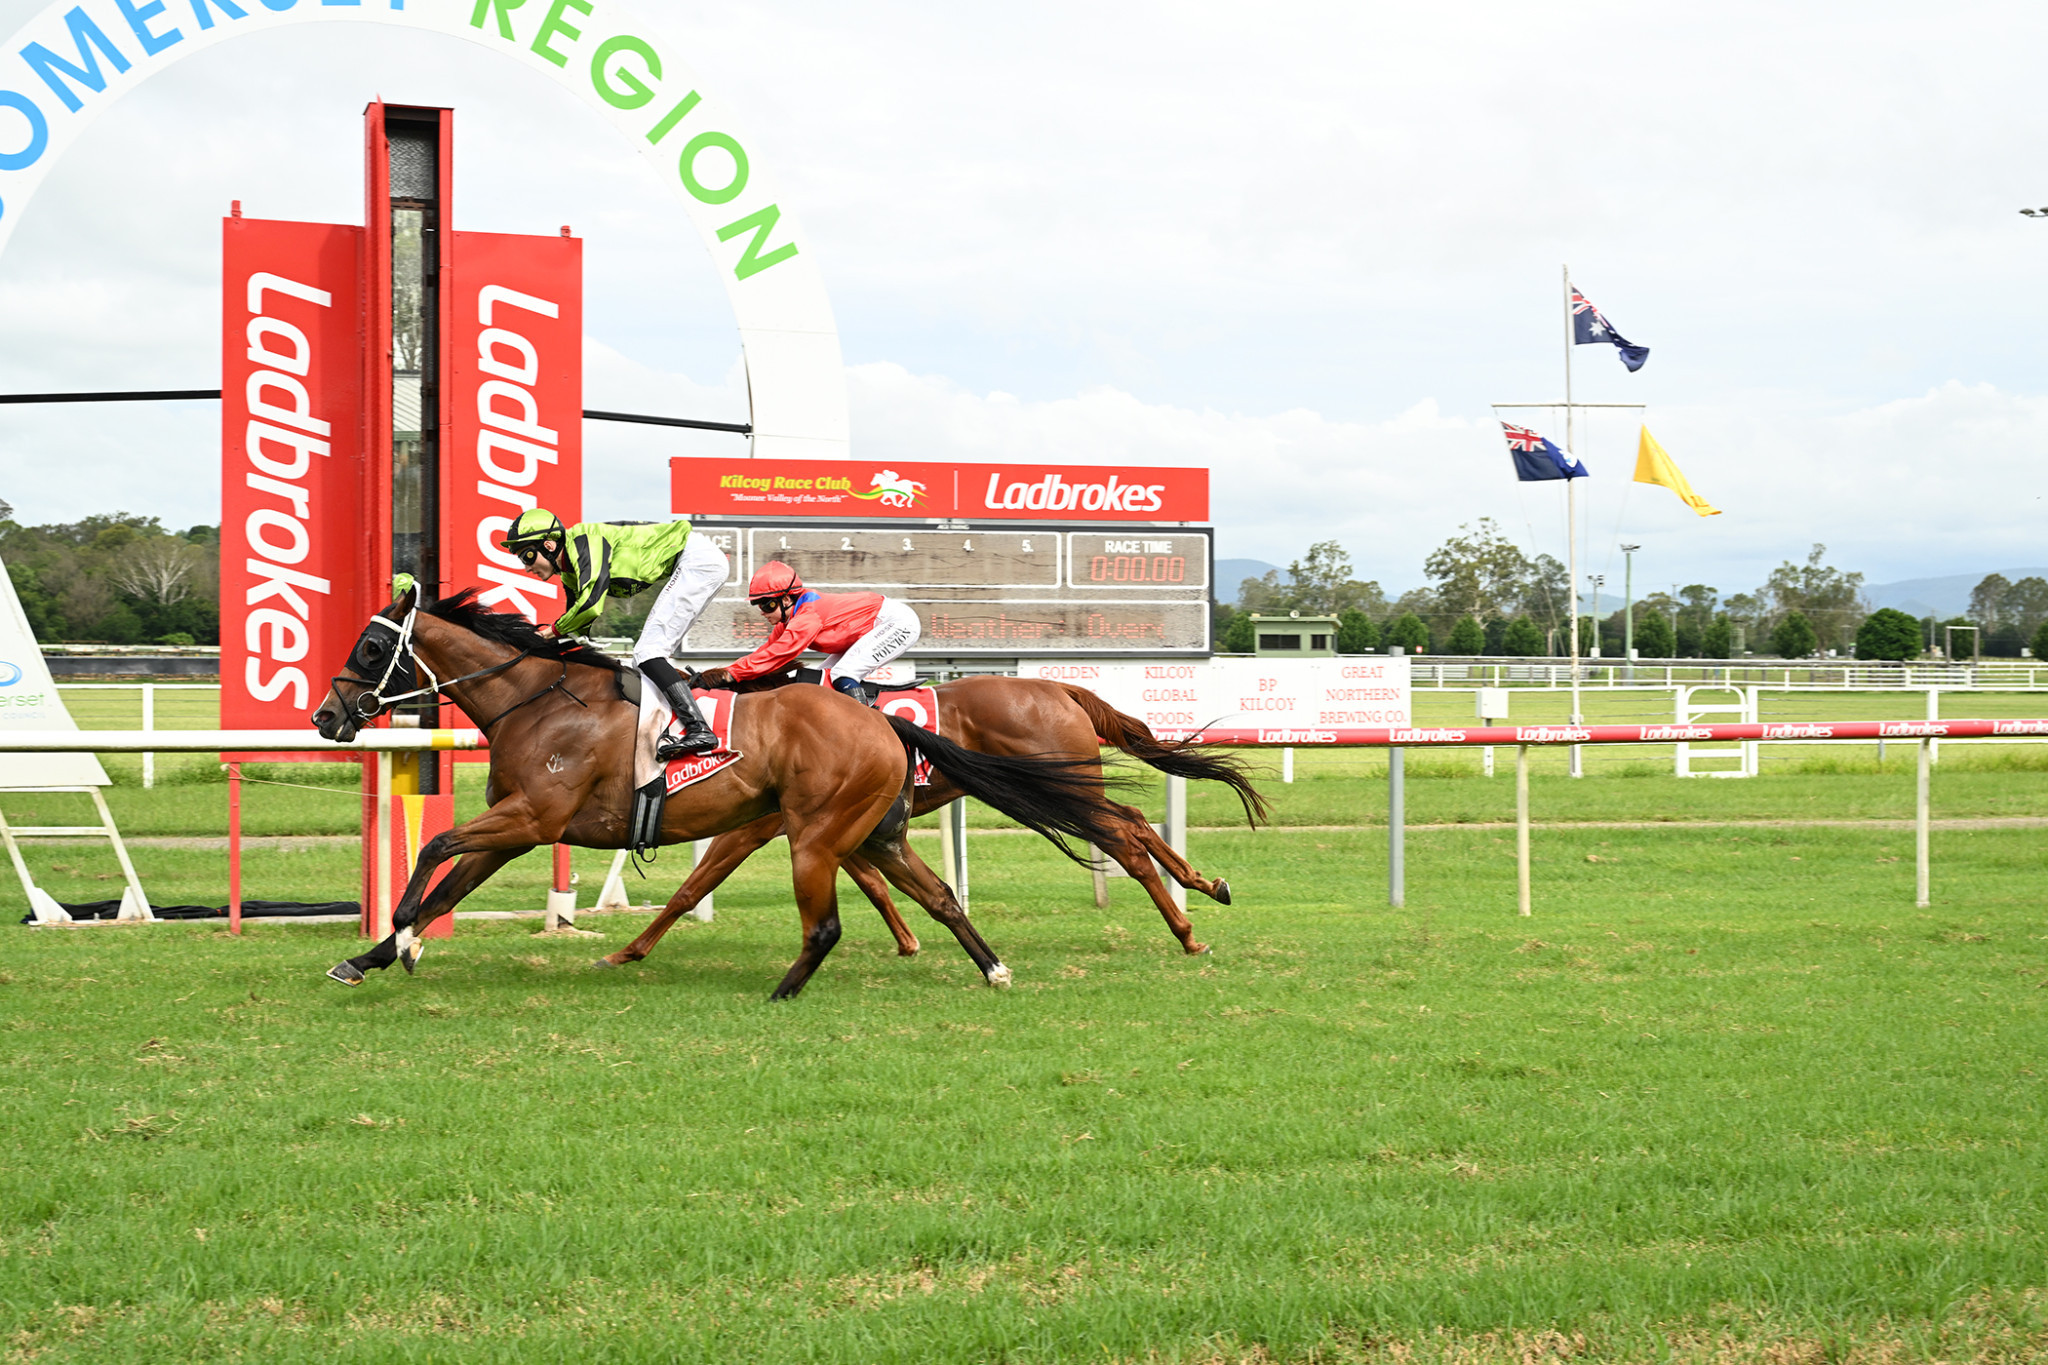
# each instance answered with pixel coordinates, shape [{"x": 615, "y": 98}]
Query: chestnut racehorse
[
  {"x": 991, "y": 714},
  {"x": 836, "y": 773}
]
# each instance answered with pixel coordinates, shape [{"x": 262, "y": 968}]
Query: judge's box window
[{"x": 1295, "y": 636}]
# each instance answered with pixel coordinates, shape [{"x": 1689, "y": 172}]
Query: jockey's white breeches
[
  {"x": 896, "y": 629},
  {"x": 700, "y": 571}
]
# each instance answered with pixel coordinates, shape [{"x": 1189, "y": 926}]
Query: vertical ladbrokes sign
[
  {"x": 295, "y": 576},
  {"x": 515, "y": 406}
]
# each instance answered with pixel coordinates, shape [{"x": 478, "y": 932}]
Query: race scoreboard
[
  {"x": 997, "y": 560},
  {"x": 985, "y": 590}
]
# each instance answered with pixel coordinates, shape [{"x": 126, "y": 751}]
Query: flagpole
[{"x": 1571, "y": 504}]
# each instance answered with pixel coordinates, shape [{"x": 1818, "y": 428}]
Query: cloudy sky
[{"x": 1304, "y": 245}]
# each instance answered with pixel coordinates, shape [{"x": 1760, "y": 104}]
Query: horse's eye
[{"x": 373, "y": 649}]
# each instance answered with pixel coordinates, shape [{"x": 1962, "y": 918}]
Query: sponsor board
[
  {"x": 294, "y": 583},
  {"x": 1309, "y": 698},
  {"x": 514, "y": 407},
  {"x": 709, "y": 486}
]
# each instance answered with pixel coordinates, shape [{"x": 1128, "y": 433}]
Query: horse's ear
[{"x": 405, "y": 591}]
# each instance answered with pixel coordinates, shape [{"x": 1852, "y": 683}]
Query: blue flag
[
  {"x": 1589, "y": 325},
  {"x": 1536, "y": 458}
]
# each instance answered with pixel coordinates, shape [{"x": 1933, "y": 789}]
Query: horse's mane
[{"x": 510, "y": 628}]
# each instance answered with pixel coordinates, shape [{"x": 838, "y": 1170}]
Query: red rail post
[{"x": 234, "y": 848}]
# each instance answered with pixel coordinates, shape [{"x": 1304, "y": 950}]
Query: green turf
[{"x": 1726, "y": 1096}]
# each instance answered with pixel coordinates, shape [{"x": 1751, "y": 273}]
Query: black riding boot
[
  {"x": 696, "y": 737},
  {"x": 852, "y": 687}
]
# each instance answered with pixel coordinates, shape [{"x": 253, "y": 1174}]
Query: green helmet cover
[{"x": 533, "y": 526}]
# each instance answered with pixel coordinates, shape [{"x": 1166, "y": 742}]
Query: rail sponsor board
[
  {"x": 896, "y": 490},
  {"x": 514, "y": 407},
  {"x": 294, "y": 515},
  {"x": 1236, "y": 731},
  {"x": 1282, "y": 701}
]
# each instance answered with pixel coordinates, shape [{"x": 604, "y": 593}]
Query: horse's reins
[{"x": 403, "y": 650}]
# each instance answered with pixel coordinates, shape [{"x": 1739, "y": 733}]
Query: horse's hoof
[
  {"x": 604, "y": 962},
  {"x": 908, "y": 951},
  {"x": 999, "y": 977},
  {"x": 1198, "y": 949},
  {"x": 345, "y": 973},
  {"x": 1221, "y": 895}
]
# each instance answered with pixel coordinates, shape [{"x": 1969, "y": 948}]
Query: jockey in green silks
[{"x": 596, "y": 559}]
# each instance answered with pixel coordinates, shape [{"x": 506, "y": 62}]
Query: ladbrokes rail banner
[{"x": 970, "y": 492}]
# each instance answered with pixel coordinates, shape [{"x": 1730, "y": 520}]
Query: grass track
[{"x": 1727, "y": 1095}]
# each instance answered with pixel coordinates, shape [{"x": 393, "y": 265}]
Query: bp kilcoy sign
[{"x": 772, "y": 488}]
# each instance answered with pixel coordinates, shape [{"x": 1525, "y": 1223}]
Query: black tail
[
  {"x": 1135, "y": 738},
  {"x": 1057, "y": 797}
]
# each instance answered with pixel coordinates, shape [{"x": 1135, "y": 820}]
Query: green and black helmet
[{"x": 537, "y": 532}]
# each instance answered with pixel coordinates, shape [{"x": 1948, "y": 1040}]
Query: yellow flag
[{"x": 1654, "y": 466}]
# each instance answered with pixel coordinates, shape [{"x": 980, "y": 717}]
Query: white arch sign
[{"x": 73, "y": 60}]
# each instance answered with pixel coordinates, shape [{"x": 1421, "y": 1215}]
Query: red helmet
[{"x": 772, "y": 580}]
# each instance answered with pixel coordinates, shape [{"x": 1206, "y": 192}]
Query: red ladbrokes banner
[
  {"x": 725, "y": 487},
  {"x": 514, "y": 407},
  {"x": 294, "y": 519}
]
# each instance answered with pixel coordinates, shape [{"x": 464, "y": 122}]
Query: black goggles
[{"x": 764, "y": 605}]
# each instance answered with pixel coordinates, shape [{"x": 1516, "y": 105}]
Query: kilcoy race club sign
[{"x": 773, "y": 488}]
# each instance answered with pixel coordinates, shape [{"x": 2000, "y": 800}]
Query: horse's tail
[
  {"x": 1184, "y": 759},
  {"x": 1057, "y": 797}
]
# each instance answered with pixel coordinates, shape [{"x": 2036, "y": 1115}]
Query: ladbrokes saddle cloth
[
  {"x": 653, "y": 781},
  {"x": 919, "y": 706}
]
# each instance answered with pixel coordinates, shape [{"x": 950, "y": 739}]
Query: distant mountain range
[
  {"x": 1945, "y": 596},
  {"x": 1231, "y": 574}
]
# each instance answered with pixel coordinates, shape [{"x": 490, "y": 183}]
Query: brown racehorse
[
  {"x": 1018, "y": 717},
  {"x": 834, "y": 772}
]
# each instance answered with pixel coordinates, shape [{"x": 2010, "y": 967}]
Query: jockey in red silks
[{"x": 858, "y": 631}]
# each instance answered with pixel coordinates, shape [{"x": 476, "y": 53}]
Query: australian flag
[
  {"x": 1589, "y": 325},
  {"x": 1536, "y": 458}
]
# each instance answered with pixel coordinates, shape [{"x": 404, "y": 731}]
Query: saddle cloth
[
  {"x": 657, "y": 719},
  {"x": 919, "y": 706}
]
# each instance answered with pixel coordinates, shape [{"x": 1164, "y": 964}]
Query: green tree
[
  {"x": 1986, "y": 599},
  {"x": 1717, "y": 641},
  {"x": 1654, "y": 636},
  {"x": 1240, "y": 637},
  {"x": 1409, "y": 633},
  {"x": 1356, "y": 634},
  {"x": 1318, "y": 584},
  {"x": 1479, "y": 572},
  {"x": 2025, "y": 605},
  {"x": 1793, "y": 637},
  {"x": 1496, "y": 635},
  {"x": 44, "y": 617},
  {"x": 1522, "y": 639},
  {"x": 1467, "y": 637},
  {"x": 2040, "y": 645},
  {"x": 1829, "y": 599},
  {"x": 1888, "y": 633}
]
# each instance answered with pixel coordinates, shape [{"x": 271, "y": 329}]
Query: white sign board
[
  {"x": 29, "y": 701},
  {"x": 1276, "y": 698}
]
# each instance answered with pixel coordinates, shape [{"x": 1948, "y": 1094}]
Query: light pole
[
  {"x": 1628, "y": 606},
  {"x": 1596, "y": 580}
]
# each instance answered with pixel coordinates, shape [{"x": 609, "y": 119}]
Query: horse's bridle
[{"x": 363, "y": 659}]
